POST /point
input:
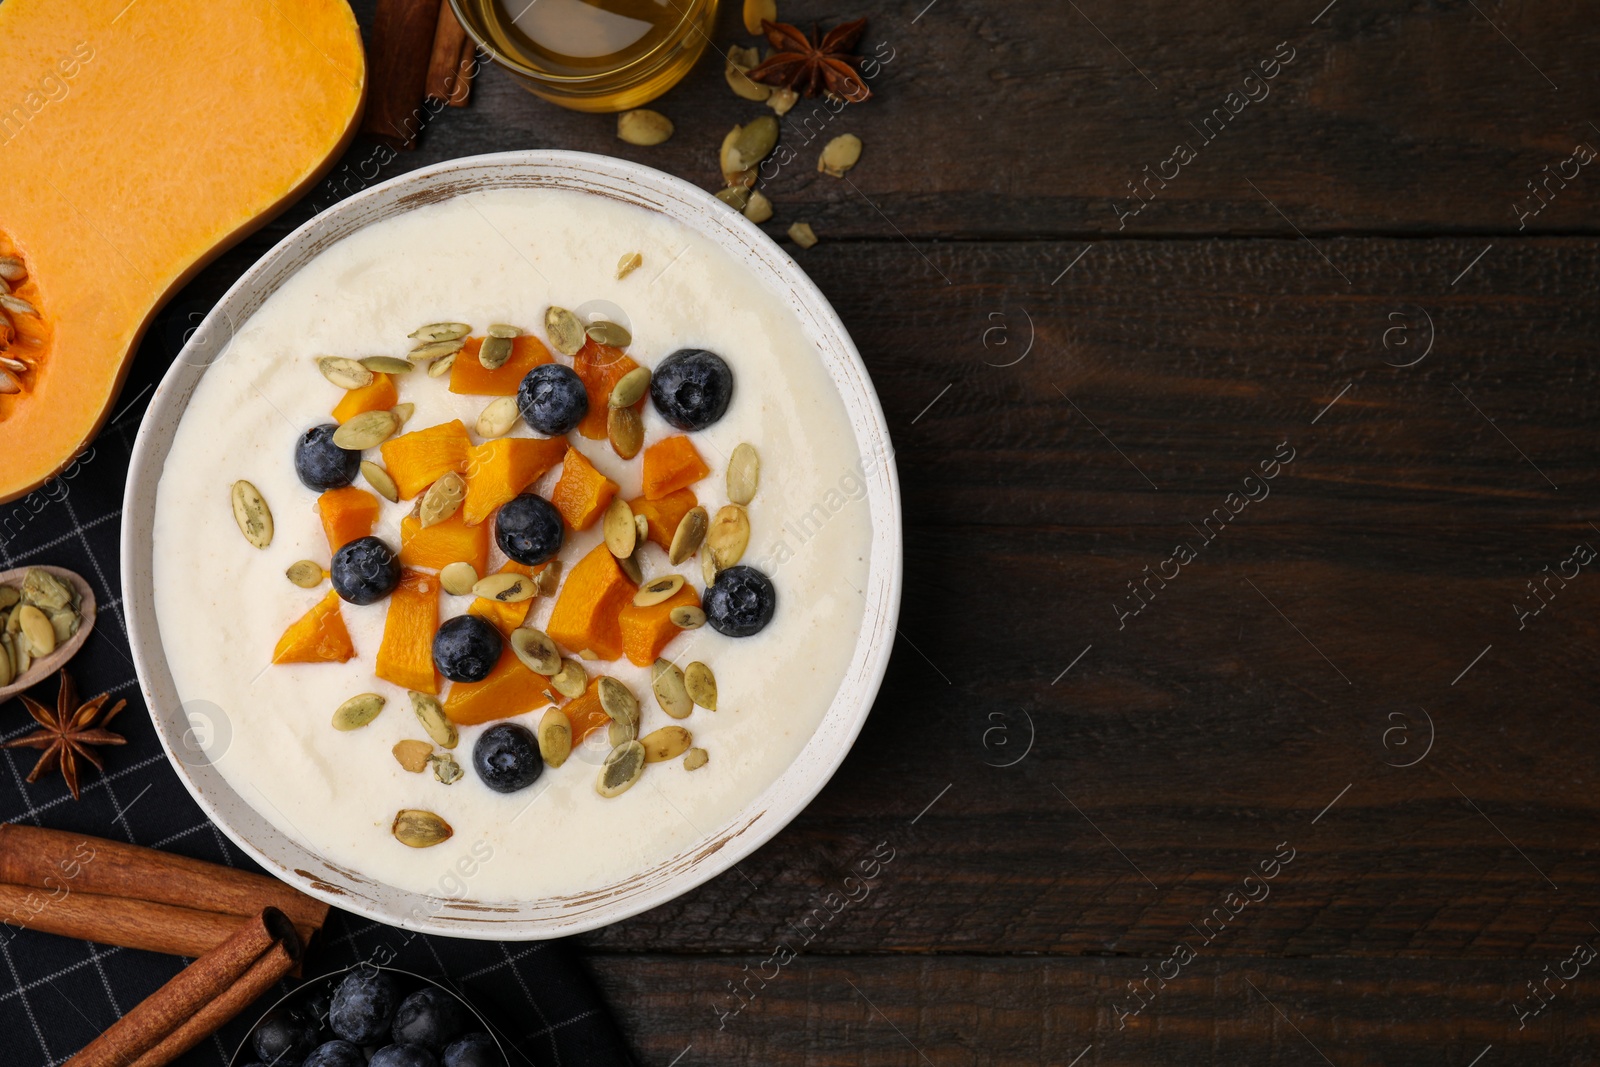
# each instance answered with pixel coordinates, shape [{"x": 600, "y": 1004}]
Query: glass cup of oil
[{"x": 592, "y": 55}]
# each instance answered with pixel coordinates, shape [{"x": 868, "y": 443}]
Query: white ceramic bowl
[{"x": 718, "y": 850}]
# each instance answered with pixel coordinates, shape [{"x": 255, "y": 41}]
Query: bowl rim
[{"x": 710, "y": 854}]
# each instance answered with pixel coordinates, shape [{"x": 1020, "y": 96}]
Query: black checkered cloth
[{"x": 56, "y": 994}]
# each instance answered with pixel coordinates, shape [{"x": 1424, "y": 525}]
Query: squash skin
[{"x": 110, "y": 238}]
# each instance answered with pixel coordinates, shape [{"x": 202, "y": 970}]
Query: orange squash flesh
[
  {"x": 511, "y": 689},
  {"x": 670, "y": 464},
  {"x": 599, "y": 367},
  {"x": 646, "y": 631},
  {"x": 443, "y": 543},
  {"x": 417, "y": 459},
  {"x": 498, "y": 470},
  {"x": 467, "y": 374},
  {"x": 506, "y": 616},
  {"x": 581, "y": 493},
  {"x": 584, "y": 714},
  {"x": 381, "y": 395},
  {"x": 588, "y": 606},
  {"x": 405, "y": 657},
  {"x": 664, "y": 515},
  {"x": 347, "y": 514},
  {"x": 255, "y": 133},
  {"x": 318, "y": 636}
]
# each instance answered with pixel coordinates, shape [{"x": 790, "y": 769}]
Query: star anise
[
  {"x": 68, "y": 732},
  {"x": 811, "y": 66}
]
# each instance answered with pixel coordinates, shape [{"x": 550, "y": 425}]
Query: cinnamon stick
[
  {"x": 213, "y": 986},
  {"x": 136, "y": 924},
  {"x": 402, "y": 45},
  {"x": 466, "y": 70},
  {"x": 447, "y": 80}
]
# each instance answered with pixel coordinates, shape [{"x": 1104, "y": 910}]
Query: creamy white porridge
[{"x": 492, "y": 257}]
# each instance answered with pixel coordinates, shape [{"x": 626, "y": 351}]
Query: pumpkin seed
[
  {"x": 440, "y": 331},
  {"x": 571, "y": 680},
  {"x": 404, "y": 412},
  {"x": 782, "y": 100},
  {"x": 458, "y": 578},
  {"x": 388, "y": 365},
  {"x": 442, "y": 500},
  {"x": 7, "y": 672},
  {"x": 35, "y": 626},
  {"x": 555, "y": 737},
  {"x": 13, "y": 624},
  {"x": 435, "y": 350},
  {"x": 734, "y": 172},
  {"x": 379, "y": 479},
  {"x": 65, "y": 624},
  {"x": 620, "y": 532},
  {"x": 735, "y": 196},
  {"x": 420, "y": 829},
  {"x": 695, "y": 758},
  {"x": 744, "y": 474},
  {"x": 839, "y": 155},
  {"x": 758, "y": 208},
  {"x": 758, "y": 11},
  {"x": 440, "y": 367},
  {"x": 622, "y": 768},
  {"x": 642, "y": 526},
  {"x": 250, "y": 511},
  {"x": 631, "y": 567},
  {"x": 755, "y": 142},
  {"x": 501, "y": 329},
  {"x": 687, "y": 617},
  {"x": 626, "y": 430},
  {"x": 536, "y": 651},
  {"x": 498, "y": 417},
  {"x": 564, "y": 329},
  {"x": 45, "y": 591},
  {"x": 728, "y": 535},
  {"x": 617, "y": 701},
  {"x": 606, "y": 332},
  {"x": 548, "y": 579},
  {"x": 643, "y": 127},
  {"x": 9, "y": 383},
  {"x": 701, "y": 685},
  {"x": 12, "y": 269},
  {"x": 9, "y": 595},
  {"x": 13, "y": 364},
  {"x": 507, "y": 587},
  {"x": 307, "y": 574},
  {"x": 619, "y": 732},
  {"x": 669, "y": 742},
  {"x": 17, "y": 305},
  {"x": 658, "y": 589},
  {"x": 630, "y": 262},
  {"x": 413, "y": 755},
  {"x": 358, "y": 711},
  {"x": 630, "y": 388},
  {"x": 666, "y": 680},
  {"x": 690, "y": 532},
  {"x": 22, "y": 656},
  {"x": 345, "y": 373},
  {"x": 366, "y": 430},
  {"x": 802, "y": 234},
  {"x": 445, "y": 768},
  {"x": 740, "y": 60},
  {"x": 430, "y": 713},
  {"x": 494, "y": 352},
  {"x": 708, "y": 569}
]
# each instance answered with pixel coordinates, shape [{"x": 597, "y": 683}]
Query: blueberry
[
  {"x": 284, "y": 1038},
  {"x": 528, "y": 529},
  {"x": 365, "y": 570},
  {"x": 691, "y": 388},
  {"x": 429, "y": 1017},
  {"x": 363, "y": 1007},
  {"x": 474, "y": 1050},
  {"x": 740, "y": 602},
  {"x": 552, "y": 399},
  {"x": 466, "y": 649},
  {"x": 336, "y": 1054},
  {"x": 403, "y": 1056},
  {"x": 507, "y": 757},
  {"x": 320, "y": 463}
]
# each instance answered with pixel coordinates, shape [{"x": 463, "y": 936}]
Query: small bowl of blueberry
[{"x": 369, "y": 1016}]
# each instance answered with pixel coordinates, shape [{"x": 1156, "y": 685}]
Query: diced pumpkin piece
[
  {"x": 379, "y": 396},
  {"x": 664, "y": 515},
  {"x": 581, "y": 493},
  {"x": 443, "y": 543},
  {"x": 585, "y": 713},
  {"x": 467, "y": 374},
  {"x": 511, "y": 689},
  {"x": 416, "y": 460},
  {"x": 406, "y": 655},
  {"x": 347, "y": 514},
  {"x": 506, "y": 616},
  {"x": 671, "y": 464},
  {"x": 500, "y": 469},
  {"x": 318, "y": 636},
  {"x": 588, "y": 606},
  {"x": 599, "y": 367},
  {"x": 646, "y": 631}
]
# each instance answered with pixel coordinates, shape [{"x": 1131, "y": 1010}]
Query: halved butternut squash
[
  {"x": 318, "y": 636},
  {"x": 347, "y": 514},
  {"x": 599, "y": 367},
  {"x": 584, "y": 713},
  {"x": 436, "y": 547},
  {"x": 511, "y": 689},
  {"x": 102, "y": 258},
  {"x": 646, "y": 631},
  {"x": 581, "y": 493},
  {"x": 378, "y": 396},
  {"x": 467, "y": 374},
  {"x": 506, "y": 616},
  {"x": 498, "y": 470},
  {"x": 670, "y": 464},
  {"x": 417, "y": 459},
  {"x": 664, "y": 515},
  {"x": 405, "y": 657},
  {"x": 588, "y": 606}
]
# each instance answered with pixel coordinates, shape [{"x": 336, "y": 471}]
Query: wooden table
[{"x": 1225, "y": 725}]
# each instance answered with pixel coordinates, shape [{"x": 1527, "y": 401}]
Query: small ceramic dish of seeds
[{"x": 46, "y": 614}]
